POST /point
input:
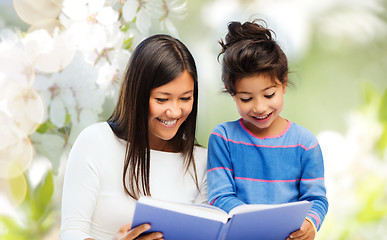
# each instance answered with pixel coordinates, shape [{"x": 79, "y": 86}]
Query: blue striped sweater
[{"x": 245, "y": 169}]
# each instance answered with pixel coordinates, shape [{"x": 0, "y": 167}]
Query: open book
[{"x": 251, "y": 221}]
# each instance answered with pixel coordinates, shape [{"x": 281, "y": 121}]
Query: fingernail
[
  {"x": 159, "y": 235},
  {"x": 147, "y": 226}
]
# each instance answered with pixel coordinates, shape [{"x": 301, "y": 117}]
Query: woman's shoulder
[
  {"x": 199, "y": 150},
  {"x": 200, "y": 154},
  {"x": 96, "y": 132},
  {"x": 97, "y": 129}
]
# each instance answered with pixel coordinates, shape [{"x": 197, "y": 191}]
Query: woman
[{"x": 147, "y": 147}]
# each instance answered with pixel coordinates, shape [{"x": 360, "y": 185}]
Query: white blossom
[
  {"x": 71, "y": 91},
  {"x": 49, "y": 54}
]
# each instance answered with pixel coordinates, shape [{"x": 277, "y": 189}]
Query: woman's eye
[
  {"x": 246, "y": 99},
  {"x": 186, "y": 98},
  {"x": 270, "y": 95},
  {"x": 161, "y": 99}
]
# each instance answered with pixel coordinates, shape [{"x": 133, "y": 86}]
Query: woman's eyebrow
[{"x": 167, "y": 93}]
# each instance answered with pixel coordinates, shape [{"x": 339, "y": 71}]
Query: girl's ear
[{"x": 285, "y": 85}]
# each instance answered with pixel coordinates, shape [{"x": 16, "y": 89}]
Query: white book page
[
  {"x": 203, "y": 211},
  {"x": 256, "y": 207}
]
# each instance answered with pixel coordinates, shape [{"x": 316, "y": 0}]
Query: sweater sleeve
[
  {"x": 312, "y": 186},
  {"x": 80, "y": 190},
  {"x": 221, "y": 183}
]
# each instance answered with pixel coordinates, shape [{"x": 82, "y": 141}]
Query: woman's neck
[{"x": 161, "y": 145}]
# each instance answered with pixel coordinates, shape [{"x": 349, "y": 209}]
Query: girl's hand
[
  {"x": 126, "y": 233},
  {"x": 306, "y": 232}
]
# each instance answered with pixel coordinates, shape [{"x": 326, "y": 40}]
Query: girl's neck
[{"x": 275, "y": 129}]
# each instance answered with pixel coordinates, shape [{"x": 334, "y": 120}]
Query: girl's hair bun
[
  {"x": 250, "y": 48},
  {"x": 248, "y": 32}
]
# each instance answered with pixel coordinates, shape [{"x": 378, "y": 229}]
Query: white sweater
[{"x": 94, "y": 203}]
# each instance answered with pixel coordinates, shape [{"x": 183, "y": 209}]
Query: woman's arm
[
  {"x": 125, "y": 233},
  {"x": 80, "y": 190}
]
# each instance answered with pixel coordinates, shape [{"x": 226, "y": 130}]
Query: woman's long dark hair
[{"x": 156, "y": 61}]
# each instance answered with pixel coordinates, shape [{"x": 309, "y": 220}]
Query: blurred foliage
[
  {"x": 37, "y": 213},
  {"x": 382, "y": 143}
]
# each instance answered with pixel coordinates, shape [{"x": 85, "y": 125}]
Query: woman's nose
[{"x": 174, "y": 111}]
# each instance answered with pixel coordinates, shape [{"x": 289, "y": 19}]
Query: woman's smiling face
[{"x": 169, "y": 107}]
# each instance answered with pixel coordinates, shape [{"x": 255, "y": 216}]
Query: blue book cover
[
  {"x": 269, "y": 222},
  {"x": 188, "y": 221}
]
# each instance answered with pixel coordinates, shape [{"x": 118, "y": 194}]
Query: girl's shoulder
[
  {"x": 302, "y": 134},
  {"x": 225, "y": 127},
  {"x": 300, "y": 130}
]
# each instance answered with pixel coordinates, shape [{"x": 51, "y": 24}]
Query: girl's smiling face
[
  {"x": 169, "y": 107},
  {"x": 259, "y": 102}
]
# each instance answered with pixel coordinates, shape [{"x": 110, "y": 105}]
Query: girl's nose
[{"x": 259, "y": 107}]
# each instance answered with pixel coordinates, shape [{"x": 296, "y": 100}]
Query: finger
[
  {"x": 135, "y": 232},
  {"x": 152, "y": 236},
  {"x": 124, "y": 229}
]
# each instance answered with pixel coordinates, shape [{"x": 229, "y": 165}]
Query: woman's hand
[
  {"x": 126, "y": 233},
  {"x": 306, "y": 232}
]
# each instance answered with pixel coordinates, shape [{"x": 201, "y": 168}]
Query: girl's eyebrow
[{"x": 265, "y": 89}]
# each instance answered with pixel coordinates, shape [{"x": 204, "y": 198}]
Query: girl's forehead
[{"x": 256, "y": 82}]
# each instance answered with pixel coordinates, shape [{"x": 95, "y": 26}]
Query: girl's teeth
[{"x": 262, "y": 117}]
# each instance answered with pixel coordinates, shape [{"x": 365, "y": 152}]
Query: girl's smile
[
  {"x": 259, "y": 101},
  {"x": 263, "y": 118}
]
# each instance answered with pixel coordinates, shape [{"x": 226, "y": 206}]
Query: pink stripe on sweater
[
  {"x": 212, "y": 169},
  {"x": 265, "y": 180},
  {"x": 213, "y": 201},
  {"x": 265, "y": 146},
  {"x": 315, "y": 216}
]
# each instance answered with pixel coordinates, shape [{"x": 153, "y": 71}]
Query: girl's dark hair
[
  {"x": 156, "y": 61},
  {"x": 250, "y": 49}
]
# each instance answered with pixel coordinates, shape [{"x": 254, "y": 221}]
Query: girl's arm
[
  {"x": 312, "y": 185},
  {"x": 220, "y": 175}
]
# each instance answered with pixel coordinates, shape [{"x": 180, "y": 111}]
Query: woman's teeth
[{"x": 168, "y": 123}]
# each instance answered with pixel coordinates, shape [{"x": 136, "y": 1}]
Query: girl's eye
[
  {"x": 186, "y": 98},
  {"x": 270, "y": 96},
  {"x": 161, "y": 100},
  {"x": 246, "y": 99}
]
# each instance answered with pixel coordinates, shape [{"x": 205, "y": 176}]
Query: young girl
[
  {"x": 262, "y": 158},
  {"x": 147, "y": 147}
]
